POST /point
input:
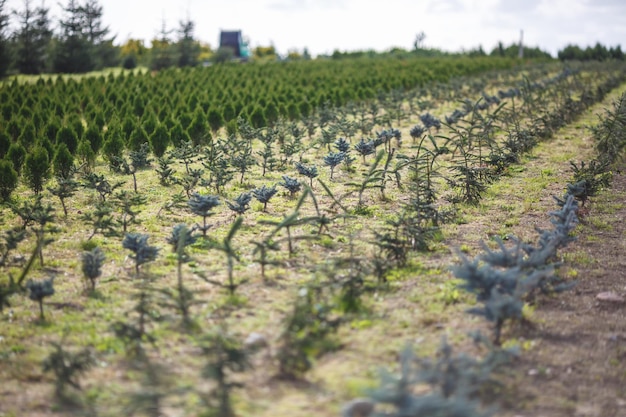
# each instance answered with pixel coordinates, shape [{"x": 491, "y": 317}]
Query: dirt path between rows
[{"x": 576, "y": 363}]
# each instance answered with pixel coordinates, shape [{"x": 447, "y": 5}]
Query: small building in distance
[{"x": 234, "y": 40}]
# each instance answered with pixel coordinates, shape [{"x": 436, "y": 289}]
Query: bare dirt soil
[{"x": 576, "y": 363}]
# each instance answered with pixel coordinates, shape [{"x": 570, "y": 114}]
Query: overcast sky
[{"x": 347, "y": 25}]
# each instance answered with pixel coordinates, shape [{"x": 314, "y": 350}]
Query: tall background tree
[
  {"x": 73, "y": 50},
  {"x": 83, "y": 44},
  {"x": 4, "y": 39},
  {"x": 188, "y": 47},
  {"x": 162, "y": 49},
  {"x": 32, "y": 39},
  {"x": 103, "y": 52}
]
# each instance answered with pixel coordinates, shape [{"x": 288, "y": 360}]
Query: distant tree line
[
  {"x": 512, "y": 51},
  {"x": 82, "y": 43},
  {"x": 571, "y": 52},
  {"x": 598, "y": 52}
]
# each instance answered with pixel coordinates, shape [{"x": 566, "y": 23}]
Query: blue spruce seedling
[
  {"x": 143, "y": 252},
  {"x": 342, "y": 145},
  {"x": 430, "y": 121},
  {"x": 202, "y": 205},
  {"x": 501, "y": 290},
  {"x": 365, "y": 148},
  {"x": 309, "y": 171},
  {"x": 264, "y": 194},
  {"x": 455, "y": 116},
  {"x": 332, "y": 160},
  {"x": 92, "y": 266},
  {"x": 10, "y": 239},
  {"x": 38, "y": 290},
  {"x": 291, "y": 184},
  {"x": 454, "y": 381},
  {"x": 241, "y": 204},
  {"x": 387, "y": 134}
]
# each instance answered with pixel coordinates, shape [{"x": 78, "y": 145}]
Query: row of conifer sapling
[
  {"x": 503, "y": 280},
  {"x": 467, "y": 160}
]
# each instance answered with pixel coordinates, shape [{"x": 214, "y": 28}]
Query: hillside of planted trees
[
  {"x": 260, "y": 240},
  {"x": 190, "y": 100}
]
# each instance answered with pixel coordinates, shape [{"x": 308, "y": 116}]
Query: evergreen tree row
[
  {"x": 116, "y": 113},
  {"x": 598, "y": 52}
]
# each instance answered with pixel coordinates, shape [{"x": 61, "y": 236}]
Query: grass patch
[
  {"x": 600, "y": 224},
  {"x": 579, "y": 258}
]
